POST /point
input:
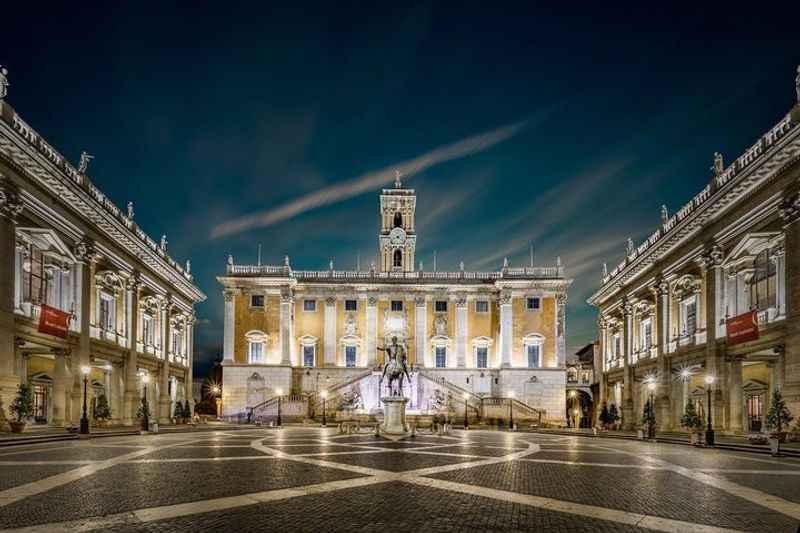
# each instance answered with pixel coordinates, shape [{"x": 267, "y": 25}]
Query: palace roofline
[
  {"x": 26, "y": 149},
  {"x": 555, "y": 273},
  {"x": 759, "y": 162}
]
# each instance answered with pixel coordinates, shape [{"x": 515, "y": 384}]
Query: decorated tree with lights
[{"x": 778, "y": 417}]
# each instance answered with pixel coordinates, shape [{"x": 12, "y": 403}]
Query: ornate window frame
[
  {"x": 534, "y": 339},
  {"x": 256, "y": 337},
  {"x": 308, "y": 341},
  {"x": 485, "y": 343}
]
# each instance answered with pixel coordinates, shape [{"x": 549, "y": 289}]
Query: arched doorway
[{"x": 579, "y": 408}]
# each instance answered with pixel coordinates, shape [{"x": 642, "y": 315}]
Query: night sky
[{"x": 203, "y": 115}]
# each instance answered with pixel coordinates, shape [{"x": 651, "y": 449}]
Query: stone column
[
  {"x": 61, "y": 384},
  {"x": 663, "y": 393},
  {"x": 600, "y": 368},
  {"x": 736, "y": 396},
  {"x": 790, "y": 213},
  {"x": 421, "y": 331},
  {"x": 230, "y": 325},
  {"x": 287, "y": 301},
  {"x": 10, "y": 207},
  {"x": 329, "y": 331},
  {"x": 372, "y": 331},
  {"x": 166, "y": 340},
  {"x": 561, "y": 327},
  {"x": 628, "y": 417},
  {"x": 189, "y": 379},
  {"x": 23, "y": 362},
  {"x": 118, "y": 381},
  {"x": 506, "y": 327},
  {"x": 127, "y": 411},
  {"x": 711, "y": 264},
  {"x": 778, "y": 257},
  {"x": 461, "y": 331},
  {"x": 81, "y": 355}
]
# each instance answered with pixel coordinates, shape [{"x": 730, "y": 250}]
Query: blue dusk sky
[{"x": 237, "y": 124}]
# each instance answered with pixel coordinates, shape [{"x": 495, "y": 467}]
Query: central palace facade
[{"x": 476, "y": 337}]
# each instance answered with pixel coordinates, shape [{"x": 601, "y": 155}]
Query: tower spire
[{"x": 397, "y": 183}]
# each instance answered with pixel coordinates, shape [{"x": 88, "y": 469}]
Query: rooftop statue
[
  {"x": 4, "y": 82},
  {"x": 83, "y": 164}
]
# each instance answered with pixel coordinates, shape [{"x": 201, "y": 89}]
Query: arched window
[
  {"x": 398, "y": 220},
  {"x": 398, "y": 258}
]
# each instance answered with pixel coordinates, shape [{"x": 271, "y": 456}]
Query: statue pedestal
[{"x": 394, "y": 415}]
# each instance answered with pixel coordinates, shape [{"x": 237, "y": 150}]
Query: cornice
[{"x": 27, "y": 151}]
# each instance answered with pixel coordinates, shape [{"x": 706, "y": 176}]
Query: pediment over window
[
  {"x": 48, "y": 242},
  {"x": 441, "y": 340},
  {"x": 686, "y": 285},
  {"x": 482, "y": 342},
  {"x": 533, "y": 339},
  {"x": 256, "y": 336},
  {"x": 308, "y": 340},
  {"x": 110, "y": 280},
  {"x": 754, "y": 386},
  {"x": 350, "y": 340},
  {"x": 750, "y": 246}
]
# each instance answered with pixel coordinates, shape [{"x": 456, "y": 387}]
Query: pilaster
[
  {"x": 506, "y": 328},
  {"x": 790, "y": 213},
  {"x": 164, "y": 416},
  {"x": 461, "y": 331},
  {"x": 372, "y": 330},
  {"x": 230, "y": 325},
  {"x": 628, "y": 421},
  {"x": 561, "y": 326},
  {"x": 131, "y": 395},
  {"x": 329, "y": 331},
  {"x": 10, "y": 207},
  {"x": 287, "y": 302},
  {"x": 421, "y": 331}
]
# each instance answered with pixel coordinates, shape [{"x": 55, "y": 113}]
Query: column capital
[
  {"x": 561, "y": 298},
  {"x": 134, "y": 281},
  {"x": 420, "y": 301},
  {"x": 287, "y": 296},
  {"x": 711, "y": 257},
  {"x": 228, "y": 294},
  {"x": 504, "y": 298},
  {"x": 85, "y": 251},
  {"x": 330, "y": 301},
  {"x": 10, "y": 201}
]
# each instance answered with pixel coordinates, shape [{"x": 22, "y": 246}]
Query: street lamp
[
  {"x": 85, "y": 370},
  {"x": 145, "y": 407},
  {"x": 511, "y": 410},
  {"x": 324, "y": 395},
  {"x": 279, "y": 392},
  {"x": 651, "y": 423},
  {"x": 466, "y": 411},
  {"x": 710, "y": 428},
  {"x": 217, "y": 400}
]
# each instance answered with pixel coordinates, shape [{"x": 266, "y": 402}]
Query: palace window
[
  {"x": 350, "y": 356},
  {"x": 763, "y": 283},
  {"x": 533, "y": 304},
  {"x": 107, "y": 312},
  {"x": 440, "y": 306},
  {"x": 177, "y": 342},
  {"x": 481, "y": 306},
  {"x": 398, "y": 258},
  {"x": 534, "y": 355},
  {"x": 256, "y": 300},
  {"x": 441, "y": 357},
  {"x": 482, "y": 357},
  {"x": 309, "y": 305},
  {"x": 397, "y": 305},
  {"x": 617, "y": 346},
  {"x": 646, "y": 334},
  {"x": 309, "y": 354},
  {"x": 148, "y": 330},
  {"x": 689, "y": 315},
  {"x": 350, "y": 305},
  {"x": 256, "y": 354},
  {"x": 34, "y": 279}
]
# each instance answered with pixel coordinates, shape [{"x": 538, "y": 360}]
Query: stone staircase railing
[{"x": 292, "y": 407}]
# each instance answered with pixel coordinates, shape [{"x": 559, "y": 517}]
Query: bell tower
[{"x": 398, "y": 238}]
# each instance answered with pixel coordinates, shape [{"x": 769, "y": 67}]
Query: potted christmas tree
[
  {"x": 21, "y": 408},
  {"x": 778, "y": 420},
  {"x": 613, "y": 416},
  {"x": 604, "y": 417},
  {"x": 177, "y": 413},
  {"x": 102, "y": 413},
  {"x": 649, "y": 420},
  {"x": 692, "y": 422}
]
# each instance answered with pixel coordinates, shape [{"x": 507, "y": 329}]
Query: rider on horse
[{"x": 395, "y": 365}]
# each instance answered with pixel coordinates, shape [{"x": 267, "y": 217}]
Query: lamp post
[
  {"x": 145, "y": 407},
  {"x": 511, "y": 410},
  {"x": 651, "y": 423},
  {"x": 324, "y": 395},
  {"x": 572, "y": 395},
  {"x": 279, "y": 392},
  {"x": 466, "y": 411},
  {"x": 710, "y": 428},
  {"x": 85, "y": 418}
]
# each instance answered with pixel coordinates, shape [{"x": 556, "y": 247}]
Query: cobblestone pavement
[{"x": 307, "y": 479}]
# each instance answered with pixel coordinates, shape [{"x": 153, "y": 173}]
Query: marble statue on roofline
[{"x": 4, "y": 82}]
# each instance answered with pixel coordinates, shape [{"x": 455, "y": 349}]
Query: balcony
[{"x": 107, "y": 335}]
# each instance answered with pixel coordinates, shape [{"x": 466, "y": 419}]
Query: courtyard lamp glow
[
  {"x": 710, "y": 428},
  {"x": 511, "y": 410},
  {"x": 466, "y": 411},
  {"x": 279, "y": 393},
  {"x": 324, "y": 395},
  {"x": 85, "y": 370}
]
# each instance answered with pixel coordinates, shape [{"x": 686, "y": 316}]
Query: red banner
[
  {"x": 54, "y": 321},
  {"x": 742, "y": 328}
]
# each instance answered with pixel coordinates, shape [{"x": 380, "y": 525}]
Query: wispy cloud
[{"x": 369, "y": 181}]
